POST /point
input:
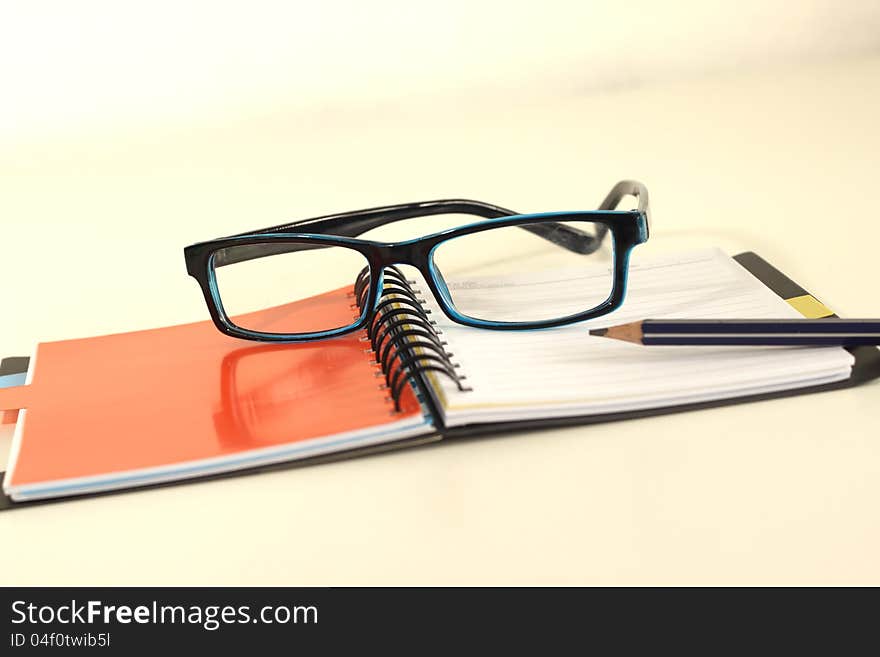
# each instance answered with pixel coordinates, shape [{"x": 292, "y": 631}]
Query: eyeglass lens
[
  {"x": 305, "y": 290},
  {"x": 511, "y": 274}
]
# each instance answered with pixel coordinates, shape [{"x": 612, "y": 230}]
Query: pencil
[{"x": 830, "y": 331}]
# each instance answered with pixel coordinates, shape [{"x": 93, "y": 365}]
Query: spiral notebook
[{"x": 183, "y": 402}]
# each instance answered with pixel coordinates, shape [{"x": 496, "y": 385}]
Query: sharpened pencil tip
[{"x": 631, "y": 332}]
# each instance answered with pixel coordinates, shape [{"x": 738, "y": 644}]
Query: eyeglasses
[{"x": 296, "y": 282}]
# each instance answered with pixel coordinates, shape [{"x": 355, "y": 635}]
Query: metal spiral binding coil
[{"x": 402, "y": 338}]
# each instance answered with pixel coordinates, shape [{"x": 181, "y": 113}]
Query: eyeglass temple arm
[
  {"x": 353, "y": 224},
  {"x": 358, "y": 223},
  {"x": 584, "y": 243}
]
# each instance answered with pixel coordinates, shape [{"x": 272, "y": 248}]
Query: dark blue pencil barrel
[{"x": 770, "y": 332}]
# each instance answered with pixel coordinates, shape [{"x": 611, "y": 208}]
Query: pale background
[{"x": 128, "y": 131}]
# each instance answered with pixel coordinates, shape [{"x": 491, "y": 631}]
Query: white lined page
[{"x": 565, "y": 371}]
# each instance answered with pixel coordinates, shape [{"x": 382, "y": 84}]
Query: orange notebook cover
[{"x": 139, "y": 408}]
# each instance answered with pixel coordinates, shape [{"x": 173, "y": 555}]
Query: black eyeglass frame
[{"x": 628, "y": 228}]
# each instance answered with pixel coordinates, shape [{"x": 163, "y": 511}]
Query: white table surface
[{"x": 92, "y": 226}]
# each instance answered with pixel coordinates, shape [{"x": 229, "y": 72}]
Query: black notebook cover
[{"x": 865, "y": 368}]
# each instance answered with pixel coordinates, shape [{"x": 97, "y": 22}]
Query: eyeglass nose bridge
[{"x": 415, "y": 254}]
